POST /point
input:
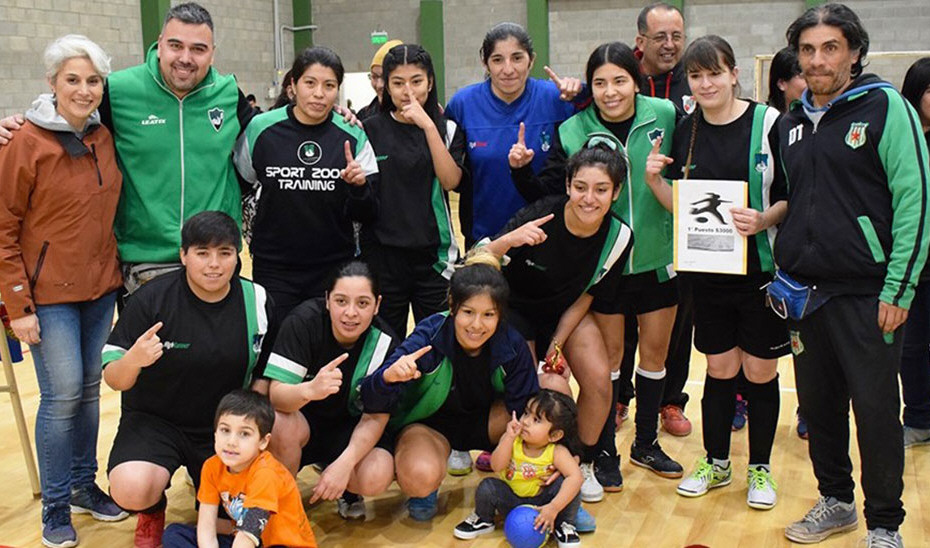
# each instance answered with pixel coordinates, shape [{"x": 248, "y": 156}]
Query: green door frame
[
  {"x": 153, "y": 14},
  {"x": 432, "y": 38}
]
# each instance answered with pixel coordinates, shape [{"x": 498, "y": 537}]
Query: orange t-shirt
[{"x": 266, "y": 484}]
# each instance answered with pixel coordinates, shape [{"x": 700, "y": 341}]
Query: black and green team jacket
[{"x": 857, "y": 217}]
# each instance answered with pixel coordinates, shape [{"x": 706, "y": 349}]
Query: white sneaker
[
  {"x": 591, "y": 490},
  {"x": 761, "y": 495},
  {"x": 705, "y": 477},
  {"x": 459, "y": 463},
  {"x": 350, "y": 506}
]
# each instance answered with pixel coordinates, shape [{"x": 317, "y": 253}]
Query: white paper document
[{"x": 705, "y": 238}]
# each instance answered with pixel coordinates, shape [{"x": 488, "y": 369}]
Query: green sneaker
[
  {"x": 705, "y": 477},
  {"x": 762, "y": 488}
]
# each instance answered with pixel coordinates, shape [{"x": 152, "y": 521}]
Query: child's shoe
[
  {"x": 567, "y": 536},
  {"x": 472, "y": 527},
  {"x": 350, "y": 506}
]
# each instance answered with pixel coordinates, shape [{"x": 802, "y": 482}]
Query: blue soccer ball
[{"x": 518, "y": 528}]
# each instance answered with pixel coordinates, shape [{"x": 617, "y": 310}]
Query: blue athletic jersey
[{"x": 491, "y": 127}]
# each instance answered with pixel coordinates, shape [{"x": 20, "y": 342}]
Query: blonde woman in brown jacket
[{"x": 59, "y": 272}]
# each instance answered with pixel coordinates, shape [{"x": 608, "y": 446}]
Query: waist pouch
[{"x": 788, "y": 297}]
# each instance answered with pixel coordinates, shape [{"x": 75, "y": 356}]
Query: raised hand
[
  {"x": 405, "y": 368},
  {"x": 353, "y": 173},
  {"x": 656, "y": 161},
  {"x": 326, "y": 382},
  {"x": 514, "y": 427},
  {"x": 530, "y": 233},
  {"x": 147, "y": 348},
  {"x": 568, "y": 87},
  {"x": 520, "y": 155},
  {"x": 413, "y": 110}
]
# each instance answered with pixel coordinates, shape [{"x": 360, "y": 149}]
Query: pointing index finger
[
  {"x": 348, "y": 149},
  {"x": 656, "y": 145},
  {"x": 543, "y": 220},
  {"x": 153, "y": 330},
  {"x": 521, "y": 134},
  {"x": 553, "y": 76},
  {"x": 421, "y": 352},
  {"x": 335, "y": 363}
]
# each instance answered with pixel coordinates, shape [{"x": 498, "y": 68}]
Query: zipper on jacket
[
  {"x": 35, "y": 275},
  {"x": 93, "y": 153}
]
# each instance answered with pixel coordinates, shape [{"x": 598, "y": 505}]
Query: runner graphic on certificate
[{"x": 705, "y": 238}]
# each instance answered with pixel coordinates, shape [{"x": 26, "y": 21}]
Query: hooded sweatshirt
[{"x": 57, "y": 204}]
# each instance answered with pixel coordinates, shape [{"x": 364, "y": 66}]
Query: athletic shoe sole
[
  {"x": 613, "y": 488},
  {"x": 65, "y": 544},
  {"x": 693, "y": 495},
  {"x": 596, "y": 498},
  {"x": 474, "y": 534},
  {"x": 98, "y": 516},
  {"x": 669, "y": 475},
  {"x": 459, "y": 471},
  {"x": 760, "y": 505},
  {"x": 820, "y": 537}
]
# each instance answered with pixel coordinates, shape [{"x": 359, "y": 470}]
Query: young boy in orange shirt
[{"x": 256, "y": 490}]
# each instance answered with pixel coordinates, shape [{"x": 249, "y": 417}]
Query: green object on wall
[
  {"x": 432, "y": 38},
  {"x": 303, "y": 15},
  {"x": 153, "y": 14},
  {"x": 814, "y": 3},
  {"x": 680, "y": 4},
  {"x": 537, "y": 24}
]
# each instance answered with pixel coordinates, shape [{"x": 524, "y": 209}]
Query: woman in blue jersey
[
  {"x": 728, "y": 138},
  {"x": 420, "y": 158},
  {"x": 648, "y": 290},
  {"x": 490, "y": 112},
  {"x": 314, "y": 174}
]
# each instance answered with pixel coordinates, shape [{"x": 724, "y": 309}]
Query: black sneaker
[
  {"x": 567, "y": 536},
  {"x": 472, "y": 527},
  {"x": 607, "y": 472},
  {"x": 653, "y": 458}
]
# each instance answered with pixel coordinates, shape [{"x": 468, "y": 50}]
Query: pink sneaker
[{"x": 483, "y": 462}]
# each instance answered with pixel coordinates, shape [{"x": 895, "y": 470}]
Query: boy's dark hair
[
  {"x": 210, "y": 228},
  {"x": 833, "y": 15},
  {"x": 190, "y": 13},
  {"x": 560, "y": 410},
  {"x": 248, "y": 404}
]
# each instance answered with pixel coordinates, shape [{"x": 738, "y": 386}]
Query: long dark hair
[
  {"x": 317, "y": 55},
  {"x": 481, "y": 274},
  {"x": 503, "y": 31},
  {"x": 916, "y": 82},
  {"x": 352, "y": 269},
  {"x": 616, "y": 53},
  {"x": 784, "y": 67},
  {"x": 412, "y": 54}
]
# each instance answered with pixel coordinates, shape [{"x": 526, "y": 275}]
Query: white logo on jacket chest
[
  {"x": 795, "y": 134},
  {"x": 153, "y": 120}
]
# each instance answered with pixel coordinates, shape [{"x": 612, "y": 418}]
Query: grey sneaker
[
  {"x": 459, "y": 463},
  {"x": 591, "y": 490},
  {"x": 828, "y": 516},
  {"x": 350, "y": 506},
  {"x": 883, "y": 538},
  {"x": 90, "y": 499},
  {"x": 57, "y": 531},
  {"x": 916, "y": 436}
]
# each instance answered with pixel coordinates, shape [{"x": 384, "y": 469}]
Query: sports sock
[
  {"x": 607, "y": 441},
  {"x": 717, "y": 415},
  {"x": 764, "y": 400},
  {"x": 649, "y": 386}
]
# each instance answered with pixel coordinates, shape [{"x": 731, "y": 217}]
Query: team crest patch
[
  {"x": 545, "y": 141},
  {"x": 309, "y": 153},
  {"x": 797, "y": 347},
  {"x": 855, "y": 137},
  {"x": 655, "y": 135},
  {"x": 688, "y": 103},
  {"x": 216, "y": 117},
  {"x": 762, "y": 162}
]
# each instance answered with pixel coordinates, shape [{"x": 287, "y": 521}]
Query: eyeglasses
[{"x": 661, "y": 38}]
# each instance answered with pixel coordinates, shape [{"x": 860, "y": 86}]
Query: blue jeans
[
  {"x": 915, "y": 361},
  {"x": 67, "y": 362},
  {"x": 182, "y": 535},
  {"x": 495, "y": 496}
]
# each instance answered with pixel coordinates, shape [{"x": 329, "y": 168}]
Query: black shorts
[
  {"x": 144, "y": 437},
  {"x": 729, "y": 315},
  {"x": 640, "y": 294},
  {"x": 539, "y": 331},
  {"x": 464, "y": 433},
  {"x": 329, "y": 438}
]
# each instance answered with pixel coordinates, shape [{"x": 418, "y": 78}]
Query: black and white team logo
[
  {"x": 216, "y": 117},
  {"x": 309, "y": 153}
]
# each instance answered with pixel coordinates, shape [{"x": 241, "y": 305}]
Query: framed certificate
[{"x": 705, "y": 238}]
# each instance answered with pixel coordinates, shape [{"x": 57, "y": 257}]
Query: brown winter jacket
[{"x": 58, "y": 197}]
